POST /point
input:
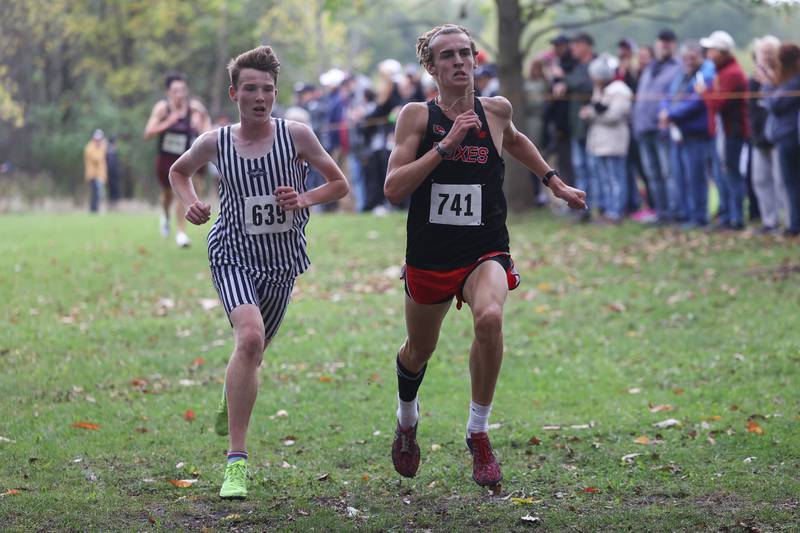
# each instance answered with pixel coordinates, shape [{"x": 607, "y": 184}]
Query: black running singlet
[{"x": 459, "y": 212}]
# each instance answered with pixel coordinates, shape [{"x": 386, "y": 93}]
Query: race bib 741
[{"x": 455, "y": 205}]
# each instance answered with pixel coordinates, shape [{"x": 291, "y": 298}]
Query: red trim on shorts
[
  {"x": 429, "y": 287},
  {"x": 163, "y": 163}
]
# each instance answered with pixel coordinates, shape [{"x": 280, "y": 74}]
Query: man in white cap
[{"x": 730, "y": 80}]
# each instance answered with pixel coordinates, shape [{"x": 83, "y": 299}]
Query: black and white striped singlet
[
  {"x": 256, "y": 250},
  {"x": 279, "y": 256}
]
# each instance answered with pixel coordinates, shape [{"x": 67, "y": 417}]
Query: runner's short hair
[
  {"x": 424, "y": 52},
  {"x": 173, "y": 76},
  {"x": 261, "y": 58}
]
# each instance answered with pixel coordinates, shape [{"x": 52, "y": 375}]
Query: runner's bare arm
[
  {"x": 159, "y": 120},
  {"x": 201, "y": 120},
  {"x": 311, "y": 151},
  {"x": 203, "y": 151},
  {"x": 521, "y": 148}
]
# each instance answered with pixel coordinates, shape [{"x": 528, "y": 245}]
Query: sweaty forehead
[
  {"x": 449, "y": 41},
  {"x": 251, "y": 75}
]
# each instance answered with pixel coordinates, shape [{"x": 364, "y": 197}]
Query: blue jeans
[
  {"x": 654, "y": 151},
  {"x": 677, "y": 184},
  {"x": 694, "y": 155},
  {"x": 96, "y": 191},
  {"x": 584, "y": 167},
  {"x": 356, "y": 172},
  {"x": 789, "y": 158},
  {"x": 733, "y": 183},
  {"x": 613, "y": 178}
]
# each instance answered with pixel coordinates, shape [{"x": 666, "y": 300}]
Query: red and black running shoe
[
  {"x": 485, "y": 470},
  {"x": 405, "y": 451}
]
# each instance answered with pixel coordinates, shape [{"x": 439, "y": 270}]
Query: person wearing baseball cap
[{"x": 730, "y": 81}]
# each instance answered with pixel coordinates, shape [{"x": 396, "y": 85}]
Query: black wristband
[
  {"x": 442, "y": 151},
  {"x": 549, "y": 174}
]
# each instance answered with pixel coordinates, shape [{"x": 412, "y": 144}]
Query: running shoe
[
  {"x": 485, "y": 470},
  {"x": 235, "y": 484},
  {"x": 221, "y": 418},
  {"x": 182, "y": 240},
  {"x": 163, "y": 223},
  {"x": 405, "y": 451}
]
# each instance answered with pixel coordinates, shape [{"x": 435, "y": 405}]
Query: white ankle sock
[
  {"x": 478, "y": 418},
  {"x": 407, "y": 413}
]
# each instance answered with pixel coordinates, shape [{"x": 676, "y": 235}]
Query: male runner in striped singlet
[
  {"x": 447, "y": 158},
  {"x": 257, "y": 246},
  {"x": 176, "y": 121}
]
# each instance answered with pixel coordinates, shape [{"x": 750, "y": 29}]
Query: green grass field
[{"x": 612, "y": 331}]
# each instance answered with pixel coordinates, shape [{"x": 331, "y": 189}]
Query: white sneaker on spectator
[
  {"x": 182, "y": 240},
  {"x": 163, "y": 222}
]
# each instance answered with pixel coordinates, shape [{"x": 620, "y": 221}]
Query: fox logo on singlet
[{"x": 439, "y": 130}]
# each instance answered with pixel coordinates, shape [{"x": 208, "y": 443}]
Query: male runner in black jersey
[{"x": 447, "y": 158}]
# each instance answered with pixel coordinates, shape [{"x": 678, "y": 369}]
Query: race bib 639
[{"x": 262, "y": 215}]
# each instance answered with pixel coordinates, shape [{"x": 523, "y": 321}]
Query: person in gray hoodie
[{"x": 654, "y": 142}]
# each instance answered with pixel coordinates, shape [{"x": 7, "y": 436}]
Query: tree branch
[{"x": 631, "y": 11}]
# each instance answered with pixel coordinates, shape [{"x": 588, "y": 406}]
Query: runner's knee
[
  {"x": 250, "y": 342},
  {"x": 489, "y": 322}
]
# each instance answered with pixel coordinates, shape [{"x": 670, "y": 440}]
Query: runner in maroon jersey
[
  {"x": 447, "y": 158},
  {"x": 176, "y": 120}
]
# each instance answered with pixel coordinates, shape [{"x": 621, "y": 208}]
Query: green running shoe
[
  {"x": 221, "y": 420},
  {"x": 235, "y": 484}
]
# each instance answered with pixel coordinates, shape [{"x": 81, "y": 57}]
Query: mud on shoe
[
  {"x": 405, "y": 451},
  {"x": 485, "y": 470}
]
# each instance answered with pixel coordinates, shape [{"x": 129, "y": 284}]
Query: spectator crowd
[{"x": 644, "y": 131}]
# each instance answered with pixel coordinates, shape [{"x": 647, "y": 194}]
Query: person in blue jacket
[{"x": 686, "y": 115}]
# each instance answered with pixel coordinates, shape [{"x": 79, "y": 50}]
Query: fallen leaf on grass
[
  {"x": 365, "y": 477},
  {"x": 630, "y": 457},
  {"x": 189, "y": 415},
  {"x": 436, "y": 447},
  {"x": 208, "y": 304},
  {"x": 4, "y": 439},
  {"x": 633, "y": 390},
  {"x": 753, "y": 427},
  {"x": 659, "y": 408},
  {"x": 533, "y": 441},
  {"x": 142, "y": 430},
  {"x": 531, "y": 519},
  {"x": 198, "y": 361},
  {"x": 551, "y": 428},
  {"x": 85, "y": 425},
  {"x": 617, "y": 307},
  {"x": 9, "y": 492},
  {"x": 232, "y": 516},
  {"x": 281, "y": 413},
  {"x": 677, "y": 390},
  {"x": 324, "y": 477},
  {"x": 525, "y": 501},
  {"x": 714, "y": 418},
  {"x": 325, "y": 379},
  {"x": 668, "y": 423},
  {"x": 183, "y": 483},
  {"x": 642, "y": 440},
  {"x": 590, "y": 490}
]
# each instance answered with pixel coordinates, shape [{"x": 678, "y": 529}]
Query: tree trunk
[
  {"x": 218, "y": 76},
  {"x": 518, "y": 187}
]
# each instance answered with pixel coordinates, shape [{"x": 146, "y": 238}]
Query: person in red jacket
[{"x": 721, "y": 101}]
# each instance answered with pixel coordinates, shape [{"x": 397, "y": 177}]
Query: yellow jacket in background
[{"x": 94, "y": 160}]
